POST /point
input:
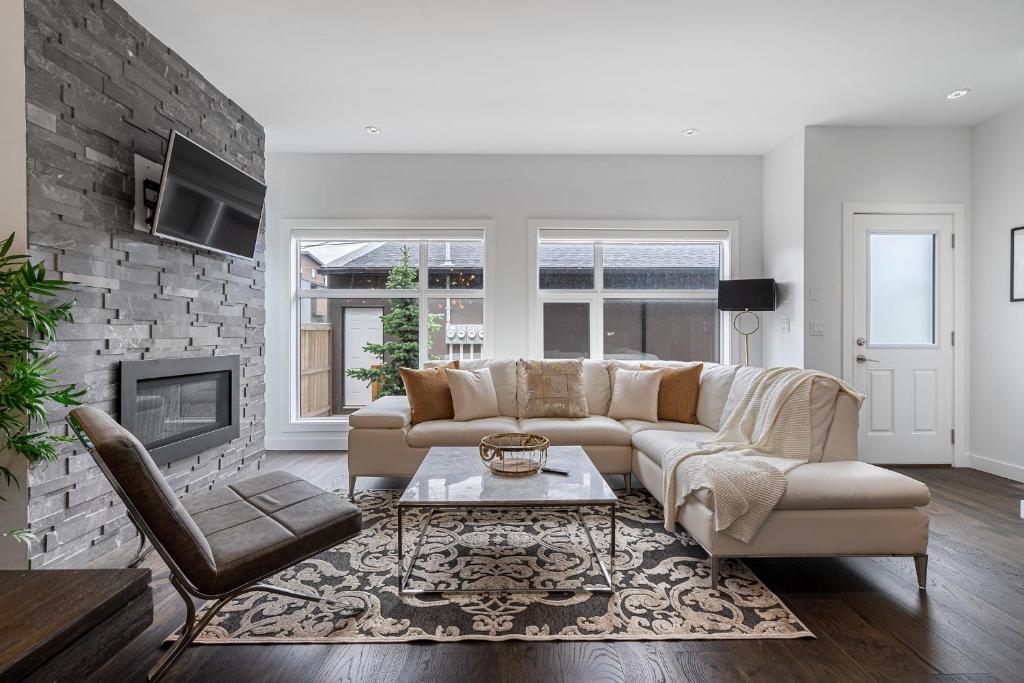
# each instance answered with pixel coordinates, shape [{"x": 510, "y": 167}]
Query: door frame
[{"x": 961, "y": 253}]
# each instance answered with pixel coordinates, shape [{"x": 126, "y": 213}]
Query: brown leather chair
[{"x": 218, "y": 544}]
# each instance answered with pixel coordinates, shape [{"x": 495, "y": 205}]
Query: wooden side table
[{"x": 62, "y": 624}]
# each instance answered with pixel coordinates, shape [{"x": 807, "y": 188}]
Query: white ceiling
[{"x": 593, "y": 76}]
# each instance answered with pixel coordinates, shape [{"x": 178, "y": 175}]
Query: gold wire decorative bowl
[{"x": 514, "y": 455}]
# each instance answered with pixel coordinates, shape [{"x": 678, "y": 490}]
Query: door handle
[{"x": 864, "y": 359}]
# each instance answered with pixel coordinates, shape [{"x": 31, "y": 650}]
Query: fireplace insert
[{"x": 181, "y": 406}]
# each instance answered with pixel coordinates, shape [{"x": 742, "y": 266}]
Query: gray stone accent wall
[{"x": 100, "y": 88}]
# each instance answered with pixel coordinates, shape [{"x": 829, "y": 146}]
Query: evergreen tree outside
[{"x": 401, "y": 324}]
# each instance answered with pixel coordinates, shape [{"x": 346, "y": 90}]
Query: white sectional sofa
[{"x": 834, "y": 505}]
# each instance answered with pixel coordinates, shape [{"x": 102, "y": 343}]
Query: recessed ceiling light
[
  {"x": 372, "y": 130},
  {"x": 690, "y": 132},
  {"x": 957, "y": 94}
]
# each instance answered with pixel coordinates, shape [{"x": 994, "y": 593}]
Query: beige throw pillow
[
  {"x": 473, "y": 394},
  {"x": 635, "y": 395},
  {"x": 554, "y": 388}
]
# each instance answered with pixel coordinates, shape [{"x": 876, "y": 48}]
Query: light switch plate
[
  {"x": 817, "y": 328},
  {"x": 785, "y": 324}
]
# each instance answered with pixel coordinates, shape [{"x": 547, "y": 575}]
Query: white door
[
  {"x": 902, "y": 351},
  {"x": 362, "y": 326}
]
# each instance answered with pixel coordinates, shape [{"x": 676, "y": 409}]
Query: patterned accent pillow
[{"x": 554, "y": 388}]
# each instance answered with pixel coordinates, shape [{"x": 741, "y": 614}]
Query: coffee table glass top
[{"x": 458, "y": 477}]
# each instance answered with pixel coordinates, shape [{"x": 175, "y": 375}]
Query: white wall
[
  {"x": 925, "y": 165},
  {"x": 784, "y": 252},
  {"x": 13, "y": 218},
  {"x": 510, "y": 190},
  {"x": 997, "y": 342}
]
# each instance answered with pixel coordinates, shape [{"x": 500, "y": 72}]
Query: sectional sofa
[{"x": 834, "y": 505}]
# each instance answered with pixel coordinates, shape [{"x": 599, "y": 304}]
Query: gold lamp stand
[{"x": 746, "y": 333}]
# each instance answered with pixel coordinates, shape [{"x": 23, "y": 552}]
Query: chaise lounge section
[{"x": 834, "y": 505}]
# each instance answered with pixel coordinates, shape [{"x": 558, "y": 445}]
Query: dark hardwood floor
[{"x": 871, "y": 621}]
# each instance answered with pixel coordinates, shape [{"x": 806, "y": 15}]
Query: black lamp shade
[{"x": 746, "y": 295}]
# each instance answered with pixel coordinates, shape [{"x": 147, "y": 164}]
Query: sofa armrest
[
  {"x": 387, "y": 412},
  {"x": 842, "y": 434}
]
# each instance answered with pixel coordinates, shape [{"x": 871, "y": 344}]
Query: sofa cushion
[
  {"x": 635, "y": 426},
  {"x": 597, "y": 386},
  {"x": 503, "y": 374},
  {"x": 655, "y": 444},
  {"x": 744, "y": 377},
  {"x": 715, "y": 383},
  {"x": 596, "y": 430},
  {"x": 850, "y": 485},
  {"x": 387, "y": 412},
  {"x": 452, "y": 433}
]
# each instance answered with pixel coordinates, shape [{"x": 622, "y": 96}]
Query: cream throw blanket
[{"x": 744, "y": 466}]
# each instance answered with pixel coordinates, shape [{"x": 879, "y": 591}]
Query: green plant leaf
[{"x": 28, "y": 325}]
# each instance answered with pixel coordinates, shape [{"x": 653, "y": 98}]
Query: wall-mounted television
[{"x": 206, "y": 201}]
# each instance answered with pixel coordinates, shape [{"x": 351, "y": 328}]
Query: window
[
  {"x": 356, "y": 296},
  {"x": 650, "y": 298}
]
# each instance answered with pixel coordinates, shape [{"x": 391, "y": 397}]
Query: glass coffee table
[{"x": 457, "y": 479}]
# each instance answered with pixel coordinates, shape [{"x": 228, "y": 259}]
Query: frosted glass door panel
[{"x": 901, "y": 289}]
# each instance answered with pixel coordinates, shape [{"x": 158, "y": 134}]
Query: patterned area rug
[{"x": 662, "y": 584}]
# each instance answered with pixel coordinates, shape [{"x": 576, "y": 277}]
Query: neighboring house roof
[
  {"x": 327, "y": 252},
  {"x": 466, "y": 254}
]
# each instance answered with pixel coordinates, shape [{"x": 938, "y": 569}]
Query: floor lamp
[{"x": 746, "y": 296}]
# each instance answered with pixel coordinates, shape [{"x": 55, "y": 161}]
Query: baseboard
[
  {"x": 998, "y": 467},
  {"x": 333, "y": 441}
]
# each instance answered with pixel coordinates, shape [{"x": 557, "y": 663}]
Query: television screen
[{"x": 206, "y": 201}]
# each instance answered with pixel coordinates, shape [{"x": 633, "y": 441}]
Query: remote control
[{"x": 555, "y": 470}]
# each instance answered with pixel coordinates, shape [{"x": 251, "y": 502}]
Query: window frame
[
  {"x": 639, "y": 231},
  {"x": 420, "y": 231}
]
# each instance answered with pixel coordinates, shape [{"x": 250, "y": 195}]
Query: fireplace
[{"x": 181, "y": 406}]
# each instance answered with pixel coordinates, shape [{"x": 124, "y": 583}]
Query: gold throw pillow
[
  {"x": 428, "y": 392},
  {"x": 554, "y": 388},
  {"x": 678, "y": 393}
]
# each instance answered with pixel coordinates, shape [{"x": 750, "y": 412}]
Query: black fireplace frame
[{"x": 134, "y": 370}]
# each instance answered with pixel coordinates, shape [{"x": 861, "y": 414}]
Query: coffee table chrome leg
[
  {"x": 401, "y": 563},
  {"x": 597, "y": 555},
  {"x": 403, "y": 574},
  {"x": 611, "y": 563}
]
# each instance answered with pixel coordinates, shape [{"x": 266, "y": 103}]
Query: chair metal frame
[{"x": 192, "y": 627}]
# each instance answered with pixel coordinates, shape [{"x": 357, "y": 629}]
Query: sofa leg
[
  {"x": 352, "y": 486},
  {"x": 921, "y": 565},
  {"x": 628, "y": 478},
  {"x": 716, "y": 569}
]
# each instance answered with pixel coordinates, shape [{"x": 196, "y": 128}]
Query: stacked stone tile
[{"x": 100, "y": 89}]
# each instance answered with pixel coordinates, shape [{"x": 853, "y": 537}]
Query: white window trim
[
  {"x": 366, "y": 230},
  {"x": 627, "y": 231}
]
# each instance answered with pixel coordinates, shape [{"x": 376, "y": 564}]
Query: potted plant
[{"x": 28, "y": 323}]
